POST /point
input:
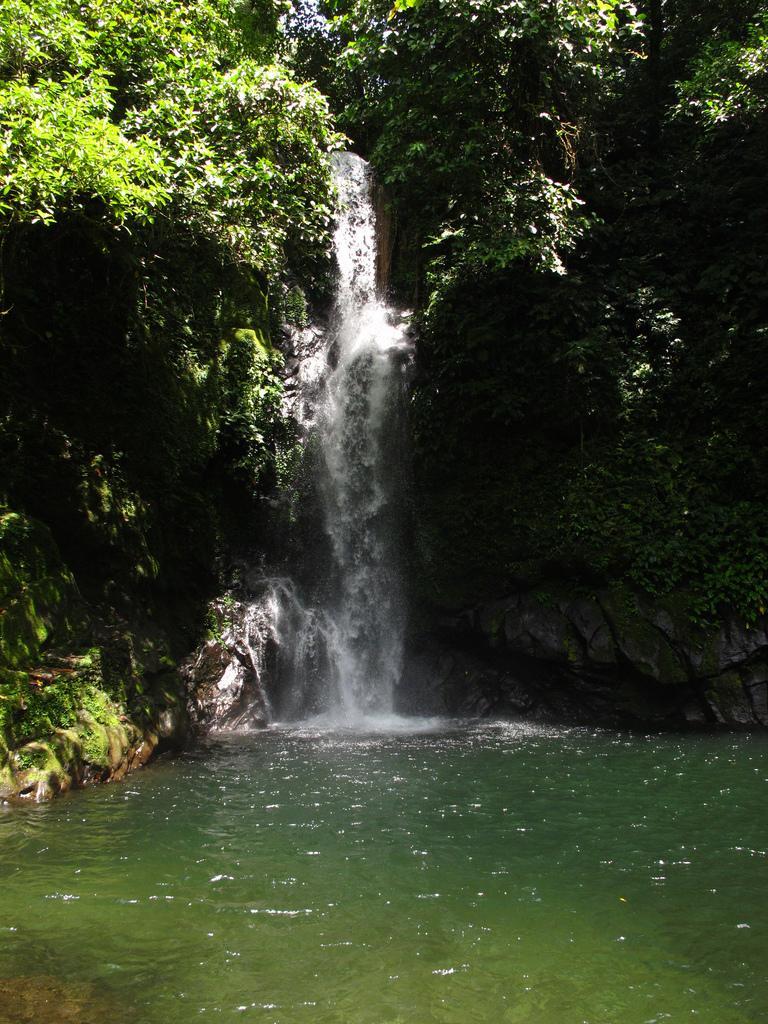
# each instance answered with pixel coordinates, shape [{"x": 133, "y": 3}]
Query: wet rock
[
  {"x": 426, "y": 672},
  {"x": 224, "y": 690},
  {"x": 488, "y": 620},
  {"x": 172, "y": 725},
  {"x": 729, "y": 701},
  {"x": 736, "y": 642},
  {"x": 694, "y": 710},
  {"x": 615, "y": 657},
  {"x": 224, "y": 676},
  {"x": 516, "y": 696},
  {"x": 643, "y": 646},
  {"x": 540, "y": 631},
  {"x": 758, "y": 697},
  {"x": 589, "y": 622}
]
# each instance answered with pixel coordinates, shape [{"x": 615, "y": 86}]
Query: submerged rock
[{"x": 37, "y": 998}]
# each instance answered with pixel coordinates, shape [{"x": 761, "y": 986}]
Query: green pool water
[{"x": 490, "y": 874}]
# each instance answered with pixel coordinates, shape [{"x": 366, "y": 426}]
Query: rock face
[
  {"x": 610, "y": 657},
  {"x": 224, "y": 676}
]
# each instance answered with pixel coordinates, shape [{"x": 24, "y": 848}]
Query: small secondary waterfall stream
[{"x": 339, "y": 637}]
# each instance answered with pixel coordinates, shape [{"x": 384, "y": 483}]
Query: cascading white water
[
  {"x": 340, "y": 635},
  {"x": 359, "y": 487}
]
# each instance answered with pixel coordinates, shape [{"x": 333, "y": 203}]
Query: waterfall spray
[{"x": 341, "y": 642}]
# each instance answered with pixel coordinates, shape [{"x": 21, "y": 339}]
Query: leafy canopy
[
  {"x": 145, "y": 108},
  {"x": 476, "y": 109},
  {"x": 729, "y": 80}
]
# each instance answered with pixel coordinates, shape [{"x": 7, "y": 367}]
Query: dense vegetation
[
  {"x": 582, "y": 226},
  {"x": 160, "y": 179}
]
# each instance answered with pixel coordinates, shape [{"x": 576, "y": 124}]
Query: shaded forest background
[{"x": 580, "y": 198}]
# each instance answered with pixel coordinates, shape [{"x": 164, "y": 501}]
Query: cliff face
[{"x": 610, "y": 657}]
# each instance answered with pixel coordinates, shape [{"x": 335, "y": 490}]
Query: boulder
[{"x": 224, "y": 675}]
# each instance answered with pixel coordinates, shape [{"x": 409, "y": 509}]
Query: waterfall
[{"x": 340, "y": 635}]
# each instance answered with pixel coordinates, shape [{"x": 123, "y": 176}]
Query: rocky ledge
[
  {"x": 610, "y": 657},
  {"x": 84, "y": 718},
  {"x": 85, "y": 696}
]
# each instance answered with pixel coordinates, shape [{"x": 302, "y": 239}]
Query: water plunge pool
[{"x": 470, "y": 873}]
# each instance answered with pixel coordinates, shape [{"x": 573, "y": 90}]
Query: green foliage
[
  {"x": 59, "y": 146},
  {"x": 295, "y": 308},
  {"x": 37, "y": 593},
  {"x": 219, "y": 618},
  {"x": 475, "y": 109},
  {"x": 729, "y": 78},
  {"x": 151, "y": 107},
  {"x": 606, "y": 424},
  {"x": 160, "y": 179},
  {"x": 580, "y": 185},
  {"x": 653, "y": 514},
  {"x": 31, "y": 709},
  {"x": 252, "y": 390},
  {"x": 578, "y": 189},
  {"x": 248, "y": 165}
]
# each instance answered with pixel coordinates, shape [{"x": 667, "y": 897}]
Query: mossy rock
[
  {"x": 43, "y": 768},
  {"x": 254, "y": 342},
  {"x": 70, "y": 758},
  {"x": 83, "y": 718},
  {"x": 245, "y": 317},
  {"x": 643, "y": 644},
  {"x": 727, "y": 697}
]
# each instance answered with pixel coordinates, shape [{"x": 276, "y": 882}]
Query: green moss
[
  {"x": 671, "y": 669},
  {"x": 496, "y": 625},
  {"x": 49, "y": 708},
  {"x": 46, "y": 766},
  {"x": 34, "y": 755},
  {"x": 546, "y": 597},
  {"x": 710, "y": 656},
  {"x": 642, "y": 643},
  {"x": 77, "y": 717},
  {"x": 572, "y": 649},
  {"x": 260, "y": 347},
  {"x": 96, "y": 746},
  {"x": 55, "y": 700},
  {"x": 12, "y": 686},
  {"x": 295, "y": 308},
  {"x": 727, "y": 692},
  {"x": 57, "y": 762},
  {"x": 38, "y": 596}
]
